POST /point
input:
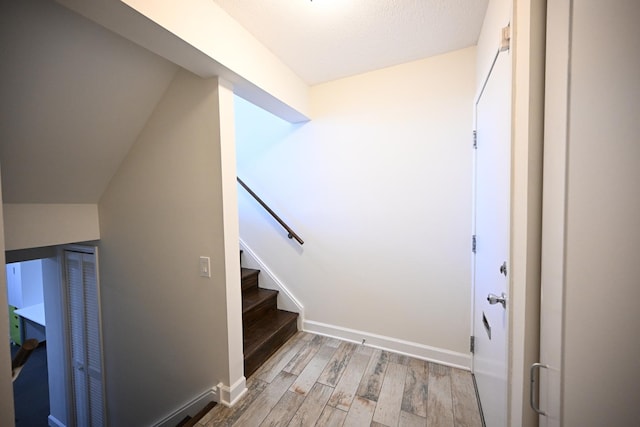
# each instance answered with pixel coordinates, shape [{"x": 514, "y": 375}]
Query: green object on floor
[{"x": 14, "y": 325}]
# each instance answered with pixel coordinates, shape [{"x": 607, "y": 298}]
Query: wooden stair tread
[
  {"x": 192, "y": 421},
  {"x": 259, "y": 333},
  {"x": 265, "y": 328},
  {"x": 263, "y": 338},
  {"x": 255, "y": 297},
  {"x": 184, "y": 421},
  {"x": 248, "y": 272}
]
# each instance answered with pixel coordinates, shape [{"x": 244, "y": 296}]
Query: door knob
[{"x": 495, "y": 299}]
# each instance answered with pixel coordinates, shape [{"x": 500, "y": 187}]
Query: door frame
[{"x": 70, "y": 406}]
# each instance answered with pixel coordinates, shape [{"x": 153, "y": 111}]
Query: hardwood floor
[{"x": 318, "y": 381}]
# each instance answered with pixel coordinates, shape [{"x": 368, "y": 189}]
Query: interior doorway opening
[
  {"x": 56, "y": 301},
  {"x": 25, "y": 298}
]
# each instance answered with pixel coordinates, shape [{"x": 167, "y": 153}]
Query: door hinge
[
  {"x": 474, "y": 243},
  {"x": 475, "y": 139},
  {"x": 472, "y": 344},
  {"x": 505, "y": 38}
]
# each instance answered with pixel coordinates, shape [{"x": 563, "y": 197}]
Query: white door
[
  {"x": 85, "y": 344},
  {"x": 492, "y": 213}
]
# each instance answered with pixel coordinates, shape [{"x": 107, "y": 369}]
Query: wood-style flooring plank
[
  {"x": 390, "y": 400},
  {"x": 223, "y": 416},
  {"x": 360, "y": 413},
  {"x": 371, "y": 383},
  {"x": 263, "y": 404},
  {"x": 465, "y": 406},
  {"x": 313, "y": 405},
  {"x": 306, "y": 353},
  {"x": 400, "y": 359},
  {"x": 332, "y": 342},
  {"x": 439, "y": 403},
  {"x": 364, "y": 387},
  {"x": 366, "y": 350},
  {"x": 281, "y": 358},
  {"x": 346, "y": 388},
  {"x": 414, "y": 399},
  {"x": 338, "y": 363},
  {"x": 284, "y": 410},
  {"x": 411, "y": 420},
  {"x": 312, "y": 371},
  {"x": 331, "y": 417}
]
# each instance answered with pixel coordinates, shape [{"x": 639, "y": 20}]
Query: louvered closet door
[{"x": 84, "y": 338}]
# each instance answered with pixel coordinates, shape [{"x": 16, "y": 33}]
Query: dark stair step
[
  {"x": 256, "y": 303},
  {"x": 263, "y": 337},
  {"x": 184, "y": 421},
  {"x": 192, "y": 421},
  {"x": 249, "y": 278}
]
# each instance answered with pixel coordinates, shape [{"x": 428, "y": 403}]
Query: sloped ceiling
[
  {"x": 322, "y": 40},
  {"x": 75, "y": 95},
  {"x": 74, "y": 98}
]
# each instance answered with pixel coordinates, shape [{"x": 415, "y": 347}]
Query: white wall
[
  {"x": 554, "y": 210},
  {"x": 7, "y": 416},
  {"x": 165, "y": 328},
  {"x": 233, "y": 386},
  {"x": 379, "y": 187},
  {"x": 528, "y": 44},
  {"x": 24, "y": 282},
  {"x": 601, "y": 376},
  {"x": 37, "y": 225},
  {"x": 201, "y": 37}
]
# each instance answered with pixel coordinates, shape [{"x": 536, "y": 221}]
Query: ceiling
[
  {"x": 323, "y": 40},
  {"x": 75, "y": 95}
]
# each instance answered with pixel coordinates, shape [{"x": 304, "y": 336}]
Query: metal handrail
[{"x": 292, "y": 234}]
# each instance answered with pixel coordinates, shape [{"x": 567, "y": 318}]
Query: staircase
[
  {"x": 189, "y": 421},
  {"x": 265, "y": 328}
]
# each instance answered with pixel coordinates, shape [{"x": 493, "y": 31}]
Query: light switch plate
[{"x": 205, "y": 266}]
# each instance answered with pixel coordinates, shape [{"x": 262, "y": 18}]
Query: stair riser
[
  {"x": 265, "y": 328},
  {"x": 257, "y": 312},
  {"x": 249, "y": 283},
  {"x": 253, "y": 361}
]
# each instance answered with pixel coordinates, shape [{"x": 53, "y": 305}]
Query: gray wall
[
  {"x": 77, "y": 96},
  {"x": 164, "y": 327},
  {"x": 601, "y": 360},
  {"x": 6, "y": 389}
]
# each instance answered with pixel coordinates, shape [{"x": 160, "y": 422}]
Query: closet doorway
[
  {"x": 27, "y": 321},
  {"x": 82, "y": 321},
  {"x": 71, "y": 325}
]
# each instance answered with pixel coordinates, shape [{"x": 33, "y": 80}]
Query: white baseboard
[
  {"x": 268, "y": 280},
  {"x": 54, "y": 422},
  {"x": 190, "y": 408},
  {"x": 229, "y": 395},
  {"x": 419, "y": 351},
  {"x": 287, "y": 301}
]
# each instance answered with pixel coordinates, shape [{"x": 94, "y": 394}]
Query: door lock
[
  {"x": 503, "y": 269},
  {"x": 495, "y": 299}
]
